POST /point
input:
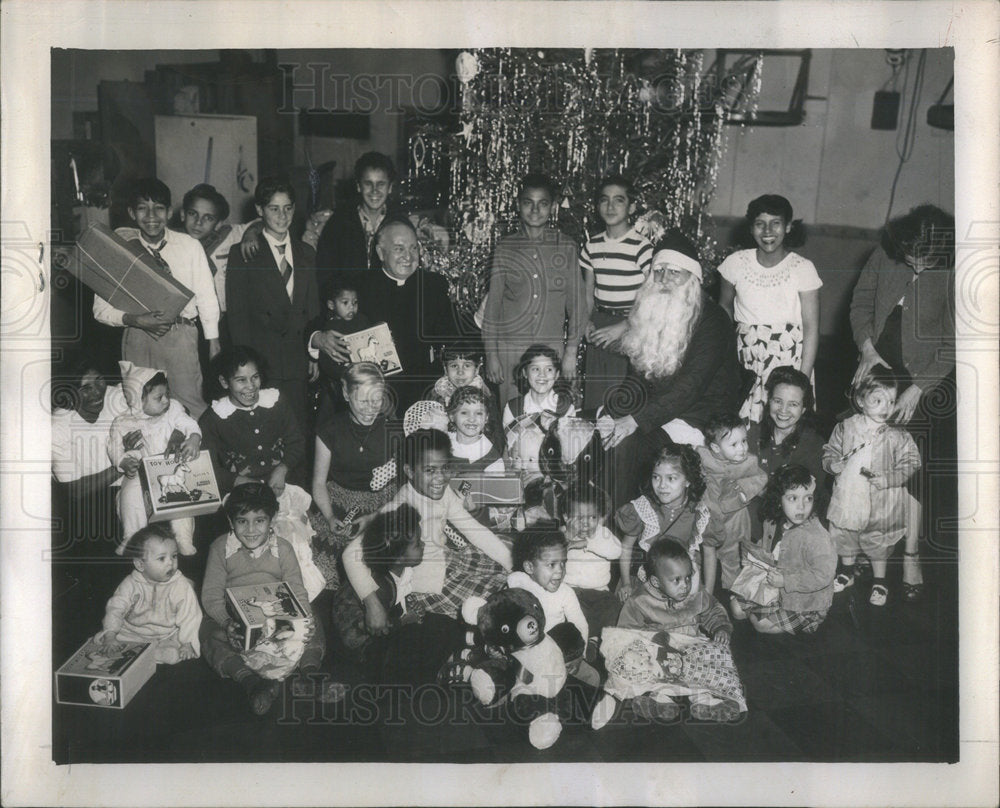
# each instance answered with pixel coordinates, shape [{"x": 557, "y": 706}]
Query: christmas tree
[{"x": 657, "y": 117}]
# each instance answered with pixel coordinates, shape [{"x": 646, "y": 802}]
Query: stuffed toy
[{"x": 511, "y": 659}]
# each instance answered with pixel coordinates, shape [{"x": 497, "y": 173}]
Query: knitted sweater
[
  {"x": 649, "y": 610},
  {"x": 230, "y": 564}
]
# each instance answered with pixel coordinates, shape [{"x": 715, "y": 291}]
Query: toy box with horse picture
[{"x": 173, "y": 489}]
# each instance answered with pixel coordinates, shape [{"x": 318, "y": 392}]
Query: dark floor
[{"x": 872, "y": 685}]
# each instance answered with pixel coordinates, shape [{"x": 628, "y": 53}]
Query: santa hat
[{"x": 680, "y": 252}]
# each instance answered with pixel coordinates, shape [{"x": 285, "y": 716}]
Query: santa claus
[{"x": 683, "y": 363}]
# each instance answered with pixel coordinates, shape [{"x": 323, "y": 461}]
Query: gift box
[
  {"x": 102, "y": 676},
  {"x": 262, "y": 609},
  {"x": 491, "y": 490},
  {"x": 126, "y": 275},
  {"x": 376, "y": 345},
  {"x": 173, "y": 489}
]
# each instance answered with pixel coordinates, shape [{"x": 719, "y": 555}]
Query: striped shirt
[{"x": 619, "y": 266}]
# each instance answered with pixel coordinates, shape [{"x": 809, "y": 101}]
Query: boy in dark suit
[{"x": 272, "y": 296}]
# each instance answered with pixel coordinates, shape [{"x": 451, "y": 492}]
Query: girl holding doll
[
  {"x": 873, "y": 461},
  {"x": 773, "y": 295}
]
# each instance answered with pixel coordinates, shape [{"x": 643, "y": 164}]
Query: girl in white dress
[{"x": 773, "y": 295}]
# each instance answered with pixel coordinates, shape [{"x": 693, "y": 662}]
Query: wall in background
[
  {"x": 383, "y": 82},
  {"x": 834, "y": 168},
  {"x": 76, "y": 74}
]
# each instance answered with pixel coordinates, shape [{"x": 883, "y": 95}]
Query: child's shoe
[
  {"x": 879, "y": 595},
  {"x": 842, "y": 581},
  {"x": 721, "y": 712},
  {"x": 645, "y": 706},
  {"x": 261, "y": 692},
  {"x": 304, "y": 686},
  {"x": 604, "y": 711}
]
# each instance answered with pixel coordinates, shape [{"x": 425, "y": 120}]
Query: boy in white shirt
[
  {"x": 591, "y": 549},
  {"x": 539, "y": 558}
]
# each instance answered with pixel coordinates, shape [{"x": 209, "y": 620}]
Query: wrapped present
[
  {"x": 677, "y": 664},
  {"x": 125, "y": 274},
  {"x": 99, "y": 675},
  {"x": 173, "y": 489}
]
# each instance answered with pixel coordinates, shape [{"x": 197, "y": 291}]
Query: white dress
[{"x": 768, "y": 315}]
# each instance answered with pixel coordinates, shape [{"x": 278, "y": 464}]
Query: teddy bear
[{"x": 511, "y": 658}]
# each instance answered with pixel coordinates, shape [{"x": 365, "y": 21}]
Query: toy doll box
[
  {"x": 98, "y": 677},
  {"x": 254, "y": 605},
  {"x": 174, "y": 490},
  {"x": 491, "y": 490},
  {"x": 376, "y": 345},
  {"x": 125, "y": 274}
]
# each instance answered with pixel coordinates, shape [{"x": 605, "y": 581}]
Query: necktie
[
  {"x": 284, "y": 267},
  {"x": 160, "y": 261}
]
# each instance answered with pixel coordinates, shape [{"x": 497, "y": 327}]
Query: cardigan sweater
[
  {"x": 807, "y": 560},
  {"x": 928, "y": 316},
  {"x": 256, "y": 439},
  {"x": 272, "y": 562}
]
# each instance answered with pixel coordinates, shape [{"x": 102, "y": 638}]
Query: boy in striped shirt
[{"x": 614, "y": 263}]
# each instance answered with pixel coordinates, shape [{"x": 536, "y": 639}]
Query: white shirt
[
  {"x": 590, "y": 567},
  {"x": 769, "y": 295},
  {"x": 80, "y": 448},
  {"x": 285, "y": 253},
  {"x": 560, "y": 606},
  {"x": 188, "y": 266},
  {"x": 473, "y": 451}
]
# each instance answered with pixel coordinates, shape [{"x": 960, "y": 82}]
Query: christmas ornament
[{"x": 466, "y": 66}]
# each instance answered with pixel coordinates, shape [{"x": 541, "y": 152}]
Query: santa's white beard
[{"x": 660, "y": 327}]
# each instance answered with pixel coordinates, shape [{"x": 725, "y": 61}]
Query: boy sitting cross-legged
[{"x": 251, "y": 553}]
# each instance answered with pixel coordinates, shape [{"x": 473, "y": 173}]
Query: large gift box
[
  {"x": 105, "y": 676},
  {"x": 491, "y": 490},
  {"x": 375, "y": 344},
  {"x": 174, "y": 490},
  {"x": 125, "y": 274},
  {"x": 263, "y": 609}
]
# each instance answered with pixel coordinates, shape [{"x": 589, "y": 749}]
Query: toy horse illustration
[
  {"x": 370, "y": 352},
  {"x": 175, "y": 483}
]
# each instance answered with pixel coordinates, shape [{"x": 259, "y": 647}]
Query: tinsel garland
[{"x": 577, "y": 115}]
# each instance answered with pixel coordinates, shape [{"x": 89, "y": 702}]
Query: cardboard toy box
[
  {"x": 174, "y": 490},
  {"x": 376, "y": 345},
  {"x": 254, "y": 604},
  {"x": 125, "y": 274},
  {"x": 97, "y": 677},
  {"x": 493, "y": 490}
]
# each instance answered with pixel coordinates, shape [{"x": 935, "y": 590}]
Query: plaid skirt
[
  {"x": 789, "y": 622},
  {"x": 468, "y": 572},
  {"x": 328, "y": 544}
]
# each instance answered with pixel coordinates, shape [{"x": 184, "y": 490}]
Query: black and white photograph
[{"x": 617, "y": 401}]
